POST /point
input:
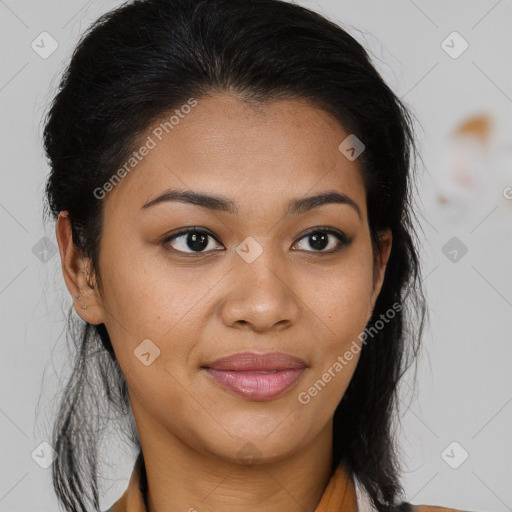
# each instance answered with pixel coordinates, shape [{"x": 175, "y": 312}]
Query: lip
[
  {"x": 252, "y": 361},
  {"x": 256, "y": 376}
]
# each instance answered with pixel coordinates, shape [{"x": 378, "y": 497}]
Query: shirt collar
[{"x": 342, "y": 493}]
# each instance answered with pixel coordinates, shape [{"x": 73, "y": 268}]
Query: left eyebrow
[{"x": 223, "y": 204}]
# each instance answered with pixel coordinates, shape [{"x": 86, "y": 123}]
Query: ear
[
  {"x": 77, "y": 271},
  {"x": 382, "y": 257}
]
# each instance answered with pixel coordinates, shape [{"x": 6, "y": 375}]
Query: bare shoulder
[{"x": 431, "y": 508}]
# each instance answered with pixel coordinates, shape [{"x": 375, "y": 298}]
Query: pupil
[
  {"x": 319, "y": 240},
  {"x": 197, "y": 241}
]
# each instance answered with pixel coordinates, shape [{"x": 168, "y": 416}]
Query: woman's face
[{"x": 253, "y": 279}]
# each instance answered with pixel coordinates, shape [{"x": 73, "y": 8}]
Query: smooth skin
[{"x": 199, "y": 306}]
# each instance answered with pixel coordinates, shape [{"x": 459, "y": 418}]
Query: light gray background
[{"x": 465, "y": 383}]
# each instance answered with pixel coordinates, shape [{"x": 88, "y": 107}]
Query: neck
[{"x": 182, "y": 479}]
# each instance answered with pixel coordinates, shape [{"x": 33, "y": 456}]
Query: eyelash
[{"x": 343, "y": 239}]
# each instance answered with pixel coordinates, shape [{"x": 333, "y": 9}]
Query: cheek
[
  {"x": 146, "y": 299},
  {"x": 148, "y": 296},
  {"x": 341, "y": 302},
  {"x": 136, "y": 304},
  {"x": 341, "y": 309},
  {"x": 340, "y": 297}
]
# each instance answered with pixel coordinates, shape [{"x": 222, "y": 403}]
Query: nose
[{"x": 261, "y": 296}]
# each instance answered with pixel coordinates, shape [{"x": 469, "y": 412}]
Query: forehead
[{"x": 258, "y": 154}]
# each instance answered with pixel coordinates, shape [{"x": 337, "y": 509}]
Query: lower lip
[{"x": 254, "y": 385}]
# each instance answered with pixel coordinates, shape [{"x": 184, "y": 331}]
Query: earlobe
[{"x": 76, "y": 270}]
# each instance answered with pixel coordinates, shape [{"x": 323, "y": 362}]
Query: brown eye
[
  {"x": 320, "y": 239},
  {"x": 190, "y": 241}
]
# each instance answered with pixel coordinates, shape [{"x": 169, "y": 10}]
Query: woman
[{"x": 231, "y": 184}]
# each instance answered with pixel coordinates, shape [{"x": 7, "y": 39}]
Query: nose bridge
[
  {"x": 261, "y": 294},
  {"x": 261, "y": 262}
]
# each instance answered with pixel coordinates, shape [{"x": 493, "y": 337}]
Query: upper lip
[{"x": 252, "y": 361}]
